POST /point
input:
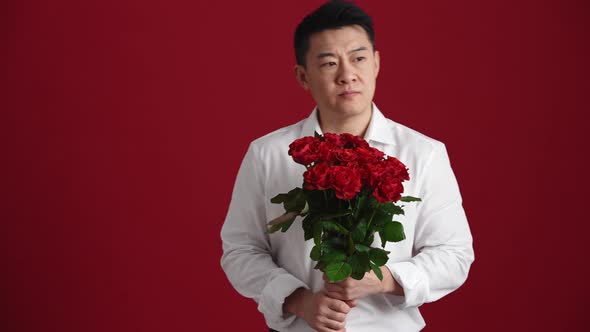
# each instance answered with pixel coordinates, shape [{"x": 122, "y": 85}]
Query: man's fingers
[
  {"x": 332, "y": 324},
  {"x": 333, "y": 287},
  {"x": 351, "y": 303},
  {"x": 336, "y": 295},
  {"x": 339, "y": 306},
  {"x": 336, "y": 316},
  {"x": 342, "y": 295}
]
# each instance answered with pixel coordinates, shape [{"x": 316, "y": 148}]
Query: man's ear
[
  {"x": 377, "y": 63},
  {"x": 301, "y": 77}
]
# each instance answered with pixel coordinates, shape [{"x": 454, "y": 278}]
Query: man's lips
[{"x": 349, "y": 93}]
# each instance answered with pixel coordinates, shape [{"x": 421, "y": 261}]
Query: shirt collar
[{"x": 378, "y": 129}]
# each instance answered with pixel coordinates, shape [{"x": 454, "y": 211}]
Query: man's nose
[{"x": 346, "y": 73}]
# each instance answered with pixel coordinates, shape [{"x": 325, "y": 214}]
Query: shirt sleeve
[
  {"x": 247, "y": 259},
  {"x": 442, "y": 240}
]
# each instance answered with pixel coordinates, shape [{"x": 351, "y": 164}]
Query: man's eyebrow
[
  {"x": 362, "y": 48},
  {"x": 325, "y": 55},
  {"x": 328, "y": 54}
]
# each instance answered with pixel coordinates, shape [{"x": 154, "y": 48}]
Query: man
[{"x": 338, "y": 64}]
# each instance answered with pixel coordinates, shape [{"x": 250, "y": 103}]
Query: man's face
[{"x": 340, "y": 72}]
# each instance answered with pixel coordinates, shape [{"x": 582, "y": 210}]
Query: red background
[{"x": 123, "y": 124}]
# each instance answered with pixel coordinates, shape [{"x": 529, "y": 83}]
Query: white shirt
[{"x": 431, "y": 262}]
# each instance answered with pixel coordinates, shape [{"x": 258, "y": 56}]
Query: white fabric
[{"x": 431, "y": 262}]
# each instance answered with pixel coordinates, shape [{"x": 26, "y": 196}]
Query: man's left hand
[{"x": 351, "y": 289}]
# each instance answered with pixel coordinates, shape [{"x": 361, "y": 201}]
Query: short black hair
[{"x": 331, "y": 15}]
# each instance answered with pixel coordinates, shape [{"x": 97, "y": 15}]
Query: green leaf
[
  {"x": 335, "y": 215},
  {"x": 320, "y": 266},
  {"x": 380, "y": 219},
  {"x": 315, "y": 253},
  {"x": 393, "y": 232},
  {"x": 280, "y": 198},
  {"x": 359, "y": 232},
  {"x": 331, "y": 225},
  {"x": 307, "y": 225},
  {"x": 295, "y": 201},
  {"x": 300, "y": 202},
  {"x": 410, "y": 199},
  {"x": 333, "y": 244},
  {"x": 315, "y": 199},
  {"x": 362, "y": 248},
  {"x": 377, "y": 271},
  {"x": 337, "y": 272},
  {"x": 317, "y": 233},
  {"x": 373, "y": 201},
  {"x": 357, "y": 274},
  {"x": 359, "y": 262},
  {"x": 333, "y": 257},
  {"x": 391, "y": 208},
  {"x": 378, "y": 256}
]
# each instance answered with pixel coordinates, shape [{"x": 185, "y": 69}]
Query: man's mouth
[{"x": 349, "y": 93}]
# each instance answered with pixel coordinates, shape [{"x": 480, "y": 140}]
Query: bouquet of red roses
[{"x": 348, "y": 195}]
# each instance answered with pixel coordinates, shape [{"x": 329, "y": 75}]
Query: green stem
[
  {"x": 358, "y": 206},
  {"x": 350, "y": 245},
  {"x": 373, "y": 215}
]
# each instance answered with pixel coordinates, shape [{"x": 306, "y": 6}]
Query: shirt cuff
[
  {"x": 414, "y": 282},
  {"x": 273, "y": 297}
]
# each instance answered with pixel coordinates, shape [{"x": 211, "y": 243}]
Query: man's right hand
[{"x": 321, "y": 312}]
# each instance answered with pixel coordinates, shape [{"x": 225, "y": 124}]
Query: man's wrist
[
  {"x": 390, "y": 285},
  {"x": 295, "y": 303}
]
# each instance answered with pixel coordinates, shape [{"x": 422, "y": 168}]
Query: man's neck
[{"x": 336, "y": 123}]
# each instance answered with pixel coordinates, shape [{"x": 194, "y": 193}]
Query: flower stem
[
  {"x": 358, "y": 206},
  {"x": 372, "y": 215}
]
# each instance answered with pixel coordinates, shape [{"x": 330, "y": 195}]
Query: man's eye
[
  {"x": 360, "y": 58},
  {"x": 329, "y": 64}
]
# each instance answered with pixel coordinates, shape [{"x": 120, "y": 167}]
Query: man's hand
[
  {"x": 351, "y": 289},
  {"x": 321, "y": 312}
]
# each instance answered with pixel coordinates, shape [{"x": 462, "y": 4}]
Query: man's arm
[
  {"x": 442, "y": 239},
  {"x": 246, "y": 259}
]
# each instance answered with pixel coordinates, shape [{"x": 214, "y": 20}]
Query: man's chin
[{"x": 352, "y": 109}]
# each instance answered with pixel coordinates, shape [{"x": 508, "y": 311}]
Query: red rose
[
  {"x": 389, "y": 189},
  {"x": 326, "y": 152},
  {"x": 317, "y": 177},
  {"x": 304, "y": 150},
  {"x": 369, "y": 155},
  {"x": 351, "y": 141},
  {"x": 374, "y": 174},
  {"x": 334, "y": 139},
  {"x": 345, "y": 155},
  {"x": 345, "y": 181},
  {"x": 396, "y": 168},
  {"x": 359, "y": 169}
]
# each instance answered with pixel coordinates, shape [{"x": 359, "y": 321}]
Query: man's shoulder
[
  {"x": 279, "y": 139},
  {"x": 411, "y": 138}
]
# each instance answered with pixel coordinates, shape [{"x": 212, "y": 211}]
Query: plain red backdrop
[{"x": 123, "y": 124}]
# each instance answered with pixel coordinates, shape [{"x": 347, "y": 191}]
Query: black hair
[{"x": 331, "y": 15}]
